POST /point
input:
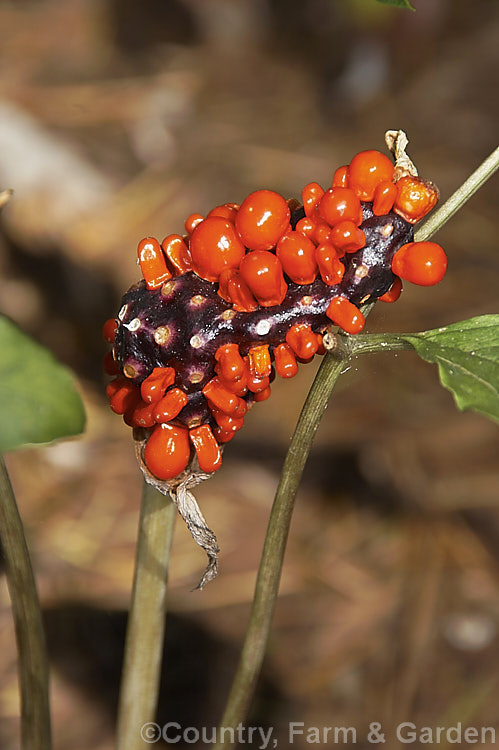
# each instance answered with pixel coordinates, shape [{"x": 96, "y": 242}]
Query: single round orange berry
[
  {"x": 307, "y": 226},
  {"x": 340, "y": 204},
  {"x": 422, "y": 263},
  {"x": 393, "y": 293},
  {"x": 192, "y": 221},
  {"x": 345, "y": 315},
  {"x": 367, "y": 169},
  {"x": 225, "y": 212},
  {"x": 297, "y": 255},
  {"x": 214, "y": 247},
  {"x": 262, "y": 272},
  {"x": 346, "y": 237},
  {"x": 167, "y": 451},
  {"x": 262, "y": 219},
  {"x": 415, "y": 198},
  {"x": 109, "y": 330},
  {"x": 311, "y": 195}
]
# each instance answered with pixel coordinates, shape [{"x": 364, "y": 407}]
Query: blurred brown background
[{"x": 117, "y": 120}]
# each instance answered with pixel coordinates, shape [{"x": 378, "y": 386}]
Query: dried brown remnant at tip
[
  {"x": 228, "y": 314},
  {"x": 162, "y": 335},
  {"x": 397, "y": 141},
  {"x": 194, "y": 422},
  {"x": 196, "y": 377}
]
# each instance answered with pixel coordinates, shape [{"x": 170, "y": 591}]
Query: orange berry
[
  {"x": 306, "y": 226},
  {"x": 302, "y": 340},
  {"x": 143, "y": 415},
  {"x": 192, "y": 221},
  {"x": 345, "y": 315},
  {"x": 232, "y": 365},
  {"x": 340, "y": 204},
  {"x": 222, "y": 436},
  {"x": 109, "y": 330},
  {"x": 262, "y": 395},
  {"x": 367, "y": 169},
  {"x": 311, "y": 195},
  {"x": 207, "y": 449},
  {"x": 346, "y": 237},
  {"x": 384, "y": 197},
  {"x": 154, "y": 387},
  {"x": 240, "y": 294},
  {"x": 330, "y": 267},
  {"x": 227, "y": 211},
  {"x": 262, "y": 272},
  {"x": 415, "y": 198},
  {"x": 259, "y": 361},
  {"x": 214, "y": 247},
  {"x": 177, "y": 254},
  {"x": 394, "y": 292},
  {"x": 422, "y": 263},
  {"x": 223, "y": 283},
  {"x": 125, "y": 397},
  {"x": 217, "y": 394},
  {"x": 340, "y": 177},
  {"x": 226, "y": 422},
  {"x": 167, "y": 451},
  {"x": 262, "y": 219},
  {"x": 170, "y": 405},
  {"x": 110, "y": 366},
  {"x": 285, "y": 361},
  {"x": 152, "y": 263},
  {"x": 296, "y": 253}
]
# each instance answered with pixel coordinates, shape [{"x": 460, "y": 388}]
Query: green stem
[
  {"x": 269, "y": 573},
  {"x": 32, "y": 654},
  {"x": 475, "y": 181},
  {"x": 146, "y": 620}
]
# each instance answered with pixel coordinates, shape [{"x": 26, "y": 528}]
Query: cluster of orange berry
[{"x": 255, "y": 285}]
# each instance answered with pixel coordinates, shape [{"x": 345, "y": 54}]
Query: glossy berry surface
[
  {"x": 366, "y": 171},
  {"x": 414, "y": 198},
  {"x": 262, "y": 219},
  {"x": 215, "y": 247},
  {"x": 422, "y": 263},
  {"x": 262, "y": 272},
  {"x": 340, "y": 204}
]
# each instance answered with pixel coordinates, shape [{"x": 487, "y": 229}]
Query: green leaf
[
  {"x": 467, "y": 355},
  {"x": 38, "y": 399},
  {"x": 398, "y": 3}
]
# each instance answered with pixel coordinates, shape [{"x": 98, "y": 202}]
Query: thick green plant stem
[
  {"x": 32, "y": 654},
  {"x": 269, "y": 573},
  {"x": 146, "y": 621},
  {"x": 474, "y": 182}
]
